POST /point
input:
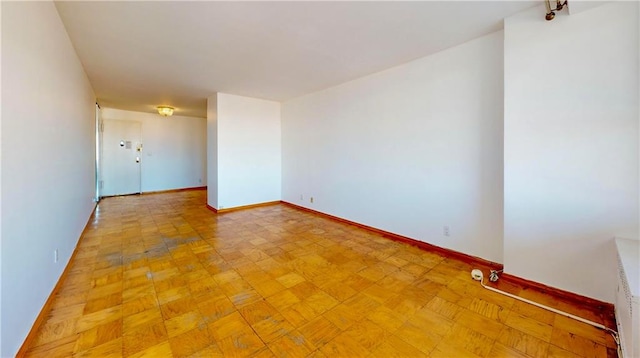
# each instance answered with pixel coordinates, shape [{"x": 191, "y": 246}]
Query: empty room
[{"x": 320, "y": 179}]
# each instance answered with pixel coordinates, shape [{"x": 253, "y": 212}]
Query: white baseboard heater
[{"x": 626, "y": 305}]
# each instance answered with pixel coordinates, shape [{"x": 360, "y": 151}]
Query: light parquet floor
[{"x": 160, "y": 276}]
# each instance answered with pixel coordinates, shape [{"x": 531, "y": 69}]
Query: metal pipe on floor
[{"x": 477, "y": 275}]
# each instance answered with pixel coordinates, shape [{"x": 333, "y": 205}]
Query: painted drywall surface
[
  {"x": 174, "y": 149},
  {"x": 249, "y": 150},
  {"x": 0, "y": 183},
  {"x": 571, "y": 145},
  {"x": 48, "y": 141},
  {"x": 408, "y": 150},
  {"x": 212, "y": 151}
]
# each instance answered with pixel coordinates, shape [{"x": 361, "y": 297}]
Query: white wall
[
  {"x": 248, "y": 139},
  {"x": 174, "y": 149},
  {"x": 571, "y": 145},
  {"x": 0, "y": 183},
  {"x": 48, "y": 152},
  {"x": 407, "y": 150},
  {"x": 212, "y": 151}
]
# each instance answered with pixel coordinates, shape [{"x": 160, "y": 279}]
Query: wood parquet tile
[{"x": 161, "y": 276}]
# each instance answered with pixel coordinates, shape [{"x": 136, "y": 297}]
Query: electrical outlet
[
  {"x": 55, "y": 256},
  {"x": 200, "y": 180},
  {"x": 311, "y": 200},
  {"x": 446, "y": 231},
  {"x": 301, "y": 197}
]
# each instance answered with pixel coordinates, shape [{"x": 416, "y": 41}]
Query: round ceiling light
[{"x": 165, "y": 111}]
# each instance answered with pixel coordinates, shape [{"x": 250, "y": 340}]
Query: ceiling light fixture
[{"x": 165, "y": 111}]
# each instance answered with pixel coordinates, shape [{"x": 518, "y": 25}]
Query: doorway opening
[{"x": 118, "y": 156}]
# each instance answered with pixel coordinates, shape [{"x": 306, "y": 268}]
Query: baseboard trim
[
  {"x": 46, "y": 308},
  {"x": 474, "y": 260},
  {"x": 603, "y": 309},
  {"x": 118, "y": 195},
  {"x": 174, "y": 190},
  {"x": 242, "y": 207},
  {"x": 212, "y": 208}
]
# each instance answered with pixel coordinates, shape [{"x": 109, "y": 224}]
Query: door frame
[{"x": 98, "y": 161}]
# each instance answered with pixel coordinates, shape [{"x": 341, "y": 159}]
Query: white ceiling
[{"x": 139, "y": 55}]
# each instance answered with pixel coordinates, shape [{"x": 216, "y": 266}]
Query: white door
[{"x": 121, "y": 155}]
